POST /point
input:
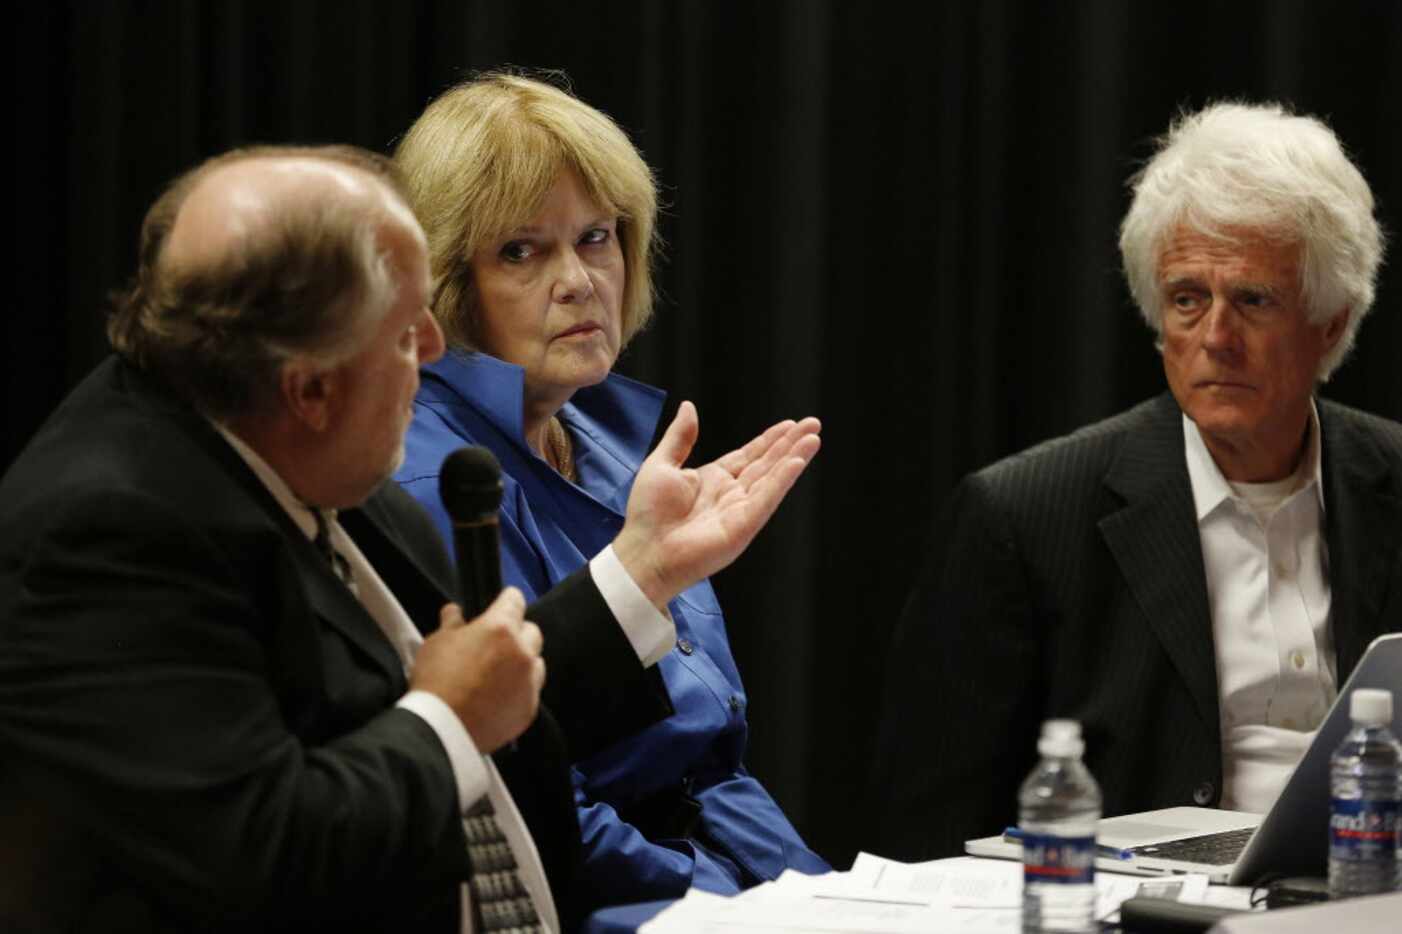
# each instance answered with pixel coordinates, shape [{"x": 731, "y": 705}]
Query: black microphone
[{"x": 470, "y": 484}]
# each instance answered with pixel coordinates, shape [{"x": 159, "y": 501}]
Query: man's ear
[
  {"x": 308, "y": 393},
  {"x": 1334, "y": 328}
]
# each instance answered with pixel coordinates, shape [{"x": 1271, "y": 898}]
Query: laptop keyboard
[{"x": 1211, "y": 849}]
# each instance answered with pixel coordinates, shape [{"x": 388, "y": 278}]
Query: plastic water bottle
[
  {"x": 1366, "y": 788},
  {"x": 1058, "y": 807}
]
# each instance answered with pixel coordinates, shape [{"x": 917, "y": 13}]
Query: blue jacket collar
[{"x": 619, "y": 414}]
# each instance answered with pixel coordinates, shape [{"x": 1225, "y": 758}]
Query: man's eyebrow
[
  {"x": 1256, "y": 288},
  {"x": 1182, "y": 282}
]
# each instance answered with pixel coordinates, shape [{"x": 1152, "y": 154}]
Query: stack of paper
[{"x": 878, "y": 896}]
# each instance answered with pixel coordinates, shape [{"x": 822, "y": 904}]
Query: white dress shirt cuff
[
  {"x": 652, "y": 634},
  {"x": 469, "y": 767}
]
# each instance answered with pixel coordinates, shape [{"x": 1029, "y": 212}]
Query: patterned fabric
[
  {"x": 338, "y": 561},
  {"x": 499, "y": 900}
]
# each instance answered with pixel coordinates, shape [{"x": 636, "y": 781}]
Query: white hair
[{"x": 1232, "y": 168}]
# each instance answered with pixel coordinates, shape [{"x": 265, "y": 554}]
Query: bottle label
[
  {"x": 1362, "y": 830},
  {"x": 1059, "y": 860}
]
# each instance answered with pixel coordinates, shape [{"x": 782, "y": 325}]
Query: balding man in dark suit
[{"x": 234, "y": 693}]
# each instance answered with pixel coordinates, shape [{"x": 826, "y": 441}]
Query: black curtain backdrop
[{"x": 899, "y": 217}]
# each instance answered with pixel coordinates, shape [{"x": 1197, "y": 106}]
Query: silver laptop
[{"x": 1233, "y": 846}]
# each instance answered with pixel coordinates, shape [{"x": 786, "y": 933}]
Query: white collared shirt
[{"x": 1267, "y": 571}]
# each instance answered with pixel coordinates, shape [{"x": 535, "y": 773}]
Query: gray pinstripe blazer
[{"x": 1068, "y": 581}]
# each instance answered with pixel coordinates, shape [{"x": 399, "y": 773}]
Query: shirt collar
[
  {"x": 300, "y": 512},
  {"x": 1211, "y": 489},
  {"x": 619, "y": 413}
]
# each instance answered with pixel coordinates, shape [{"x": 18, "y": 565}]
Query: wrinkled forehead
[{"x": 1261, "y": 254}]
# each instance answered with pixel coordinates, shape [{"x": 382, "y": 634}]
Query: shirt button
[
  {"x": 1202, "y": 794},
  {"x": 686, "y": 647},
  {"x": 734, "y": 704},
  {"x": 1299, "y": 659}
]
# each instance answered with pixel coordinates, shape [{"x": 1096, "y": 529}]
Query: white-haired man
[
  {"x": 1191, "y": 579},
  {"x": 234, "y": 694}
]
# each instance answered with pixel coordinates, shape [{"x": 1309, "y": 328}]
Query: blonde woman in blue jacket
[{"x": 540, "y": 216}]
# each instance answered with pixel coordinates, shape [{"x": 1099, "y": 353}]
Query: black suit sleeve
[
  {"x": 962, "y": 686},
  {"x": 594, "y": 684},
  {"x": 141, "y": 717}
]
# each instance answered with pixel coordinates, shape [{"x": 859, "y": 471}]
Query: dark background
[{"x": 899, "y": 218}]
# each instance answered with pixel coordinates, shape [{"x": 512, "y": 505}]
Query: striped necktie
[{"x": 338, "y": 561}]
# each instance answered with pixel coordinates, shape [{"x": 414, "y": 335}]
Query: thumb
[
  {"x": 676, "y": 444},
  {"x": 450, "y": 615}
]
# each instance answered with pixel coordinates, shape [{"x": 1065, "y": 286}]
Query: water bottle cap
[
  {"x": 1370, "y": 707},
  {"x": 1061, "y": 738}
]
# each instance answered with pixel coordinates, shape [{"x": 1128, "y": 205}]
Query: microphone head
[{"x": 470, "y": 484}]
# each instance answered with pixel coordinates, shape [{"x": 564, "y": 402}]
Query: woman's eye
[
  {"x": 595, "y": 235},
  {"x": 516, "y": 251}
]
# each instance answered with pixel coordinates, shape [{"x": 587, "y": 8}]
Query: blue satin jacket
[{"x": 549, "y": 528}]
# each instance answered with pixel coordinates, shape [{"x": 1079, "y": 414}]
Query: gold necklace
[{"x": 561, "y": 449}]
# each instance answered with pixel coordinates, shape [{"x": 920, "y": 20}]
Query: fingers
[
  {"x": 778, "y": 441},
  {"x": 676, "y": 444},
  {"x": 509, "y": 606},
  {"x": 537, "y": 679},
  {"x": 488, "y": 670},
  {"x": 800, "y": 442},
  {"x": 767, "y": 492},
  {"x": 736, "y": 461},
  {"x": 508, "y": 610},
  {"x": 509, "y": 603},
  {"x": 806, "y": 448},
  {"x": 810, "y": 426},
  {"x": 533, "y": 641},
  {"x": 787, "y": 472},
  {"x": 531, "y": 637},
  {"x": 766, "y": 487}
]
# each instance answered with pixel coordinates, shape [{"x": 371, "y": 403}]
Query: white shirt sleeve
[
  {"x": 652, "y": 634},
  {"x": 469, "y": 766}
]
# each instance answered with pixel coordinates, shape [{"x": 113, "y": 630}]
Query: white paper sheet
[{"x": 881, "y": 896}]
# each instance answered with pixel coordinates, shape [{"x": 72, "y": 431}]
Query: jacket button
[
  {"x": 686, "y": 647},
  {"x": 1202, "y": 794},
  {"x": 734, "y": 704}
]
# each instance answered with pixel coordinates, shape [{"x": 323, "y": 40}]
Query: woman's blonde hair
[{"x": 480, "y": 161}]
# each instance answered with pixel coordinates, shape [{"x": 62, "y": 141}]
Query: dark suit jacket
[
  {"x": 197, "y": 722},
  {"x": 1067, "y": 581}
]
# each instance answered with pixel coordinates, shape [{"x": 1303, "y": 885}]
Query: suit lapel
[
  {"x": 421, "y": 587},
  {"x": 328, "y": 597},
  {"x": 1363, "y": 528},
  {"x": 1155, "y": 542},
  {"x": 333, "y": 601}
]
